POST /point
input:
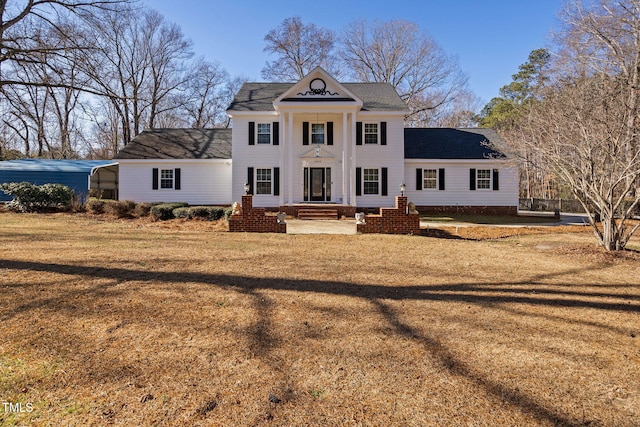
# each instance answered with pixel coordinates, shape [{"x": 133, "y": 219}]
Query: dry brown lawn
[{"x": 135, "y": 323}]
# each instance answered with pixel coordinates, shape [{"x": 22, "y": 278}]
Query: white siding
[
  {"x": 457, "y": 191},
  {"x": 390, "y": 156},
  {"x": 257, "y": 156},
  {"x": 203, "y": 182}
]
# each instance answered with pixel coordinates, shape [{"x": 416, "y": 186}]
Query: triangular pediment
[
  {"x": 318, "y": 152},
  {"x": 317, "y": 86}
]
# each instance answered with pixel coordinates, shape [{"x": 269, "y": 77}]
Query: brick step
[{"x": 317, "y": 213}]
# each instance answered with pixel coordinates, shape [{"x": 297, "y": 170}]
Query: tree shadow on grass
[{"x": 262, "y": 336}]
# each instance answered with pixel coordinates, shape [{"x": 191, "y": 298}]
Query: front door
[{"x": 317, "y": 185}]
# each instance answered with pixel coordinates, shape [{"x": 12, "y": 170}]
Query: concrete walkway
[{"x": 324, "y": 226}]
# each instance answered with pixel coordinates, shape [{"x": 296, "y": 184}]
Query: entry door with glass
[{"x": 317, "y": 184}]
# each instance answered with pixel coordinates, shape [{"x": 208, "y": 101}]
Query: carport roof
[{"x": 48, "y": 165}]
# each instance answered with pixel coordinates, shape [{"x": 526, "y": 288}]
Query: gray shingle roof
[
  {"x": 448, "y": 143},
  {"x": 260, "y": 96},
  {"x": 179, "y": 144}
]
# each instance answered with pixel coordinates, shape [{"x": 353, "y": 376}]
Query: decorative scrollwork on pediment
[{"x": 317, "y": 86}]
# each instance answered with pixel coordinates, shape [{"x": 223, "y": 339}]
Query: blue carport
[{"x": 76, "y": 174}]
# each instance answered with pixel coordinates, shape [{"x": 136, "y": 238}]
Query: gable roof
[
  {"x": 449, "y": 143},
  {"x": 260, "y": 96},
  {"x": 179, "y": 144}
]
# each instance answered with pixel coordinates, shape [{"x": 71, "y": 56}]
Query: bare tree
[
  {"x": 21, "y": 23},
  {"x": 206, "y": 98},
  {"x": 138, "y": 66},
  {"x": 400, "y": 53},
  {"x": 299, "y": 48},
  {"x": 585, "y": 129}
]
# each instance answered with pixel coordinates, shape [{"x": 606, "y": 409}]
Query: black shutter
[
  {"x": 358, "y": 181},
  {"x": 276, "y": 133},
  {"x": 418, "y": 179},
  {"x": 305, "y": 133},
  {"x": 250, "y": 179},
  {"x": 154, "y": 178},
  {"x": 176, "y": 178},
  {"x": 383, "y": 133},
  {"x": 496, "y": 180},
  {"x": 472, "y": 179},
  {"x": 441, "y": 179},
  {"x": 358, "y": 133},
  {"x": 385, "y": 187},
  {"x": 252, "y": 133},
  {"x": 329, "y": 133},
  {"x": 276, "y": 181}
]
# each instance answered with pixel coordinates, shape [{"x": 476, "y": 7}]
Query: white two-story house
[{"x": 319, "y": 141}]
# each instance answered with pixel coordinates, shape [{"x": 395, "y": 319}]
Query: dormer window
[{"x": 317, "y": 133}]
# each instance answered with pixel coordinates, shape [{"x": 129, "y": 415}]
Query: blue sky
[{"x": 490, "y": 38}]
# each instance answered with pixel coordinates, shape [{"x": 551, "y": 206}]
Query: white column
[
  {"x": 345, "y": 159},
  {"x": 352, "y": 197},
  {"x": 284, "y": 142},
  {"x": 290, "y": 142}
]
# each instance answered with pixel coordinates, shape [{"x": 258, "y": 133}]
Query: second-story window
[
  {"x": 370, "y": 133},
  {"x": 317, "y": 133},
  {"x": 264, "y": 133}
]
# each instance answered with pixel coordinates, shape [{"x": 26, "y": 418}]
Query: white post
[
  {"x": 345, "y": 159},
  {"x": 284, "y": 142},
  {"x": 352, "y": 198},
  {"x": 290, "y": 141}
]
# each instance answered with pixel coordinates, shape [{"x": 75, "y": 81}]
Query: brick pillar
[
  {"x": 401, "y": 204},
  {"x": 247, "y": 204}
]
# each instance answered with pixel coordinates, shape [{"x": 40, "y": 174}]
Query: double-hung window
[
  {"x": 317, "y": 133},
  {"x": 371, "y": 181},
  {"x": 430, "y": 179},
  {"x": 370, "y": 133},
  {"x": 166, "y": 178},
  {"x": 483, "y": 179},
  {"x": 263, "y": 181},
  {"x": 264, "y": 133}
]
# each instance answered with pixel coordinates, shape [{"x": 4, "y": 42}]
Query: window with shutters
[
  {"x": 483, "y": 179},
  {"x": 430, "y": 179},
  {"x": 263, "y": 181},
  {"x": 166, "y": 178},
  {"x": 317, "y": 133},
  {"x": 370, "y": 181},
  {"x": 264, "y": 133},
  {"x": 370, "y": 133}
]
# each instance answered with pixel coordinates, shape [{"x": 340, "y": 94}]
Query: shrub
[
  {"x": 120, "y": 208},
  {"x": 95, "y": 206},
  {"x": 28, "y": 197},
  {"x": 183, "y": 212},
  {"x": 142, "y": 209},
  {"x": 164, "y": 211},
  {"x": 200, "y": 212}
]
